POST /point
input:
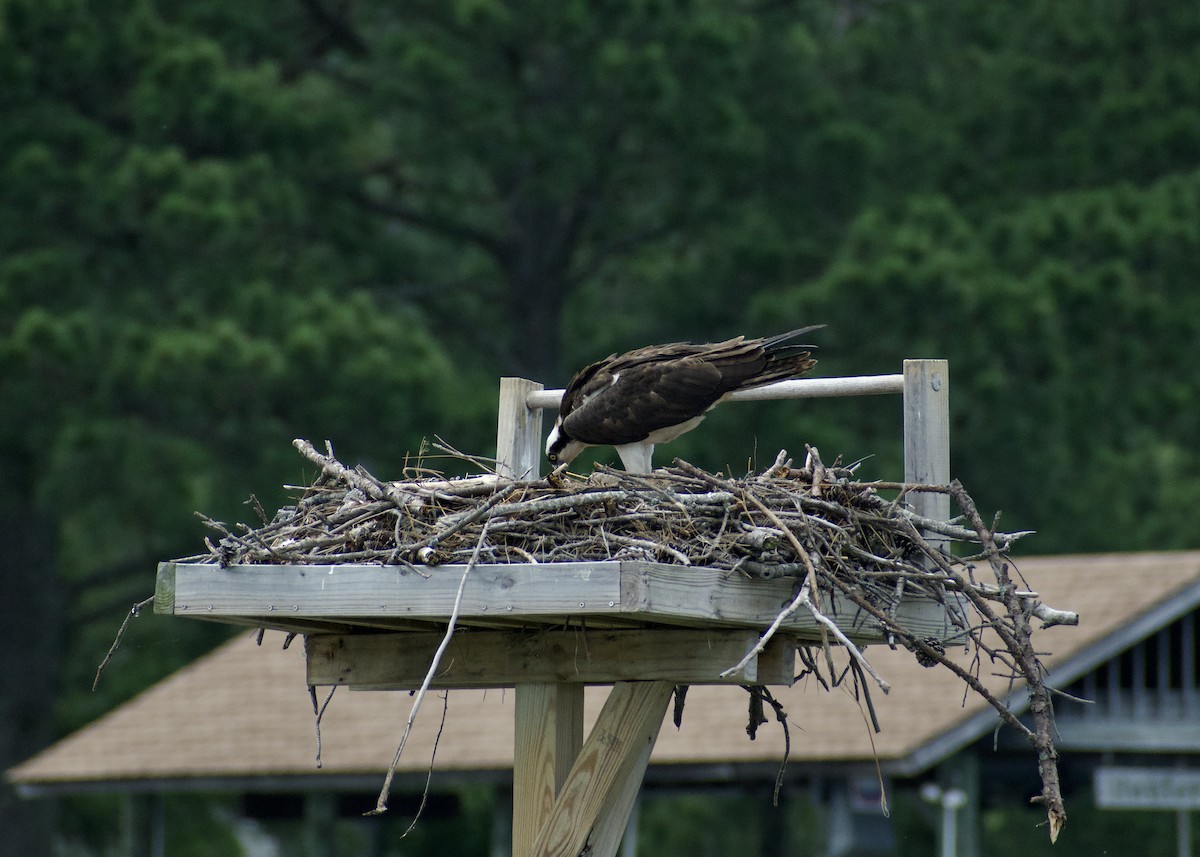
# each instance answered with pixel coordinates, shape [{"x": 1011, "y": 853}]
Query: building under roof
[{"x": 241, "y": 718}]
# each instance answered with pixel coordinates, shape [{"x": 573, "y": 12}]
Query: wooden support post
[
  {"x": 927, "y": 436},
  {"x": 549, "y": 733},
  {"x": 549, "y": 715},
  {"x": 592, "y": 808},
  {"x": 518, "y": 431}
]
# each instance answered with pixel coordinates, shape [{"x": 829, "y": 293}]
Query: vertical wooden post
[
  {"x": 548, "y": 716},
  {"x": 549, "y": 733},
  {"x": 927, "y": 436},
  {"x": 592, "y": 810},
  {"x": 518, "y": 431}
]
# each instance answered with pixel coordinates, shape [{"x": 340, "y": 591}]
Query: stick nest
[
  {"x": 815, "y": 523},
  {"x": 679, "y": 515}
]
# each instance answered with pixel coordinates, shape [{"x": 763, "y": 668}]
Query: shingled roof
[{"x": 241, "y": 717}]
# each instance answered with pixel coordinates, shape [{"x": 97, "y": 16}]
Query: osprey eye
[{"x": 553, "y": 456}]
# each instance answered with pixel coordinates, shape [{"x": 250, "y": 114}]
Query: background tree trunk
[{"x": 32, "y": 613}]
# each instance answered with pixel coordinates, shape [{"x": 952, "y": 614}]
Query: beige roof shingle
[{"x": 244, "y": 711}]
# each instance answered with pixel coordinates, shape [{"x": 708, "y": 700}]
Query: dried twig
[
  {"x": 1040, "y": 705},
  {"x": 437, "y": 739},
  {"x": 319, "y": 714},
  {"x": 381, "y": 803},
  {"x": 134, "y": 612}
]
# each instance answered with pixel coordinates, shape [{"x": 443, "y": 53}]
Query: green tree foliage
[
  {"x": 991, "y": 105},
  {"x": 1065, "y": 322},
  {"x": 179, "y": 297},
  {"x": 556, "y": 140},
  {"x": 525, "y": 153},
  {"x": 177, "y": 301}
]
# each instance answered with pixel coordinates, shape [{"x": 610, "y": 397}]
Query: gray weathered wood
[
  {"x": 706, "y": 597},
  {"x": 530, "y": 594},
  {"x": 346, "y": 592},
  {"x": 518, "y": 431},
  {"x": 927, "y": 436},
  {"x": 481, "y": 659},
  {"x": 164, "y": 589}
]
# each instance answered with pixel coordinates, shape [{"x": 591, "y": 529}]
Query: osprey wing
[
  {"x": 624, "y": 398},
  {"x": 623, "y": 401}
]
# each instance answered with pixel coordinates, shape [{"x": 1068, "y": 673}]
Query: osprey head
[{"x": 561, "y": 449}]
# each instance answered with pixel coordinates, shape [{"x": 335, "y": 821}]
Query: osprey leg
[{"x": 636, "y": 456}]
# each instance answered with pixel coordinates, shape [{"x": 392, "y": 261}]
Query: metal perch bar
[{"x": 800, "y": 388}]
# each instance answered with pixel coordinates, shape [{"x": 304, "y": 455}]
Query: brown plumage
[{"x": 653, "y": 395}]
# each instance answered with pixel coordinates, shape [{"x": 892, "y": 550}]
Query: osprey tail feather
[{"x": 784, "y": 359}]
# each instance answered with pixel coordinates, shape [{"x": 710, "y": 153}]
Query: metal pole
[
  {"x": 800, "y": 388},
  {"x": 949, "y": 830},
  {"x": 950, "y": 801}
]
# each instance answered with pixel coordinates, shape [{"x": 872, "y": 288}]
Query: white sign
[{"x": 1147, "y": 788}]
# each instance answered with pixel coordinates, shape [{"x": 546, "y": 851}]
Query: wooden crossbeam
[{"x": 481, "y": 659}]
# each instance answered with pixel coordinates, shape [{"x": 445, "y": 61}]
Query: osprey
[{"x": 652, "y": 395}]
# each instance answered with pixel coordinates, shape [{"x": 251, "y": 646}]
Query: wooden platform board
[{"x": 598, "y": 595}]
